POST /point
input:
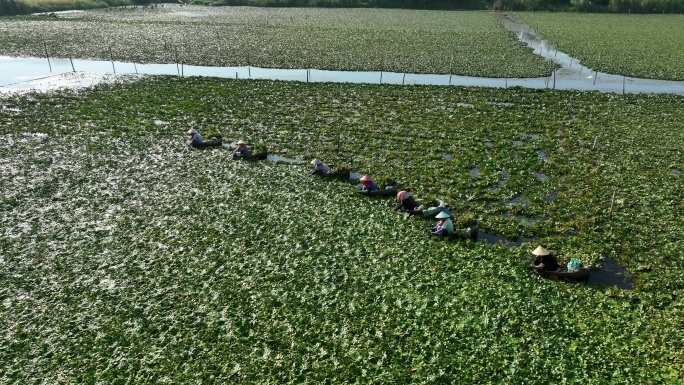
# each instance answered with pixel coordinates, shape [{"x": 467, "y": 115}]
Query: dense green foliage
[
  {"x": 465, "y": 43},
  {"x": 648, "y": 46},
  {"x": 128, "y": 257}
]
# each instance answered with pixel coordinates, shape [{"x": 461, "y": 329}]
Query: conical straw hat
[
  {"x": 540, "y": 251},
  {"x": 442, "y": 214}
]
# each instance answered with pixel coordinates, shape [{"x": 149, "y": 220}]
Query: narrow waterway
[{"x": 41, "y": 74}]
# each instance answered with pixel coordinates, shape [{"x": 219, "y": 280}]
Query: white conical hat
[
  {"x": 540, "y": 251},
  {"x": 240, "y": 142},
  {"x": 316, "y": 162},
  {"x": 191, "y": 131},
  {"x": 442, "y": 214}
]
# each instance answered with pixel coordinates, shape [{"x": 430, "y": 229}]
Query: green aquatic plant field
[
  {"x": 465, "y": 43},
  {"x": 126, "y": 256},
  {"x": 648, "y": 46}
]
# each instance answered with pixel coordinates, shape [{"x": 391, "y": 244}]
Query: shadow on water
[{"x": 612, "y": 274}]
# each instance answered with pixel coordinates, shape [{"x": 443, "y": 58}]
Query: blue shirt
[{"x": 371, "y": 188}]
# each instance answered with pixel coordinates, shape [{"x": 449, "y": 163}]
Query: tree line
[{"x": 18, "y": 7}]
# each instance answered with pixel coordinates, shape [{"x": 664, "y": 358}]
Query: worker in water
[
  {"x": 195, "y": 140},
  {"x": 408, "y": 204},
  {"x": 242, "y": 148},
  {"x": 320, "y": 168},
  {"x": 444, "y": 227},
  {"x": 543, "y": 260},
  {"x": 368, "y": 185}
]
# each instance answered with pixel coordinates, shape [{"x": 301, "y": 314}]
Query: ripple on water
[
  {"x": 676, "y": 172},
  {"x": 533, "y": 136},
  {"x": 474, "y": 172},
  {"x": 518, "y": 143}
]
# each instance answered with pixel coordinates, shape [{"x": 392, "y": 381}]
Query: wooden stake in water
[
  {"x": 236, "y": 78},
  {"x": 623, "y": 85},
  {"x": 175, "y": 56},
  {"x": 450, "y": 79},
  {"x": 570, "y": 62},
  {"x": 72, "y": 64},
  {"x": 595, "y": 76},
  {"x": 506, "y": 80},
  {"x": 403, "y": 80},
  {"x": 554, "y": 80},
  {"x": 249, "y": 71},
  {"x": 136, "y": 68},
  {"x": 612, "y": 203},
  {"x": 111, "y": 58},
  {"x": 48, "y": 56},
  {"x": 380, "y": 77},
  {"x": 595, "y": 142}
]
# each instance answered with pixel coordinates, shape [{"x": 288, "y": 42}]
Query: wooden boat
[
  {"x": 381, "y": 193},
  {"x": 463, "y": 235},
  {"x": 581, "y": 275},
  {"x": 259, "y": 156},
  {"x": 340, "y": 174}
]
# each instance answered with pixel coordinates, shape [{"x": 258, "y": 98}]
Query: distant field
[
  {"x": 648, "y": 46},
  {"x": 466, "y": 43}
]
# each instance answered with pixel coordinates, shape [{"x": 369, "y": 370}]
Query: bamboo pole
[
  {"x": 380, "y": 77},
  {"x": 595, "y": 142},
  {"x": 175, "y": 56},
  {"x": 72, "y": 64},
  {"x": 623, "y": 84},
  {"x": 612, "y": 203},
  {"x": 403, "y": 80},
  {"x": 111, "y": 58},
  {"x": 136, "y": 68}
]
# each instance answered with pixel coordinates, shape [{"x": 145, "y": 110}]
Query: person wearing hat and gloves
[
  {"x": 368, "y": 185},
  {"x": 196, "y": 140},
  {"x": 242, "y": 148},
  {"x": 406, "y": 202},
  {"x": 444, "y": 227},
  {"x": 544, "y": 261},
  {"x": 320, "y": 168}
]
